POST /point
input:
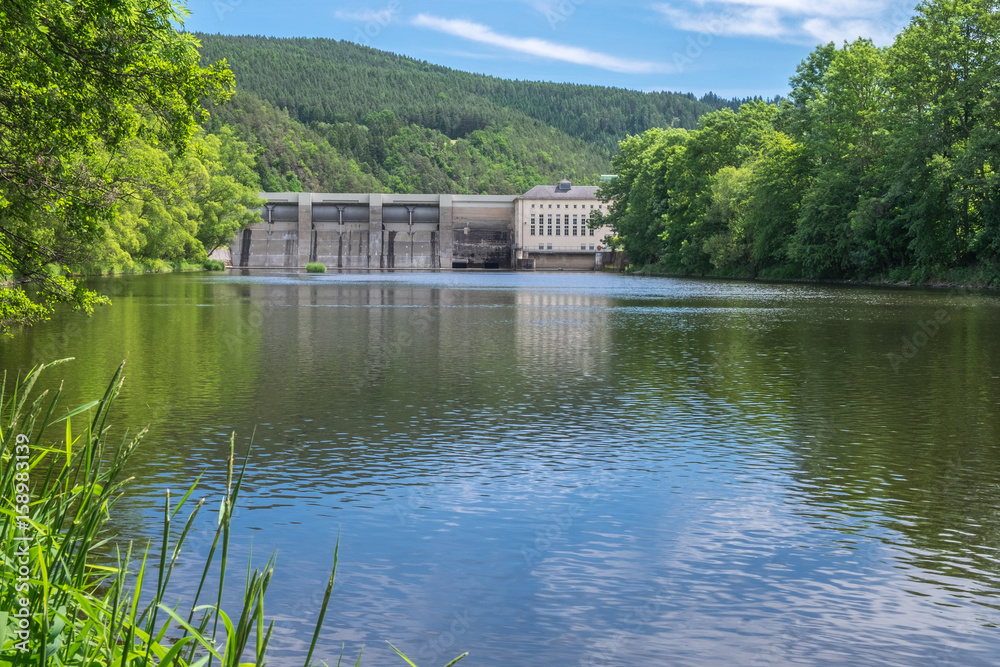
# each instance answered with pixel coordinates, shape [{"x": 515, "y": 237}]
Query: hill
[{"x": 329, "y": 114}]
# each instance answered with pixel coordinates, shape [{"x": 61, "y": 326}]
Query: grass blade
[{"x": 326, "y": 601}]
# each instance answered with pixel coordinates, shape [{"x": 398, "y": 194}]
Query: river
[{"x": 572, "y": 469}]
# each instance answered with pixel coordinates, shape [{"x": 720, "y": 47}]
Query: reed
[{"x": 59, "y": 605}]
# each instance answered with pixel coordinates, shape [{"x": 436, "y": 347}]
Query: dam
[
  {"x": 379, "y": 231},
  {"x": 545, "y": 228}
]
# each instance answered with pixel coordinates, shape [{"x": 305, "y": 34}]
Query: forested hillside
[
  {"x": 882, "y": 164},
  {"x": 383, "y": 154},
  {"x": 336, "y": 116},
  {"x": 325, "y": 80}
]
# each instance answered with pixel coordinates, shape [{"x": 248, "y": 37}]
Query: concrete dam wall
[{"x": 379, "y": 231}]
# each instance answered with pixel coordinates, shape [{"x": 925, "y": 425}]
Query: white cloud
[
  {"x": 365, "y": 15},
  {"x": 801, "y": 21},
  {"x": 757, "y": 22},
  {"x": 477, "y": 32}
]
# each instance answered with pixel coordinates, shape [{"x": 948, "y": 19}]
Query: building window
[
  {"x": 566, "y": 222},
  {"x": 583, "y": 246},
  {"x": 591, "y": 232},
  {"x": 541, "y": 246},
  {"x": 574, "y": 205},
  {"x": 550, "y": 246},
  {"x": 557, "y": 205},
  {"x": 558, "y": 225},
  {"x": 532, "y": 224},
  {"x": 550, "y": 205},
  {"x": 532, "y": 206},
  {"x": 574, "y": 226},
  {"x": 591, "y": 246},
  {"x": 550, "y": 225}
]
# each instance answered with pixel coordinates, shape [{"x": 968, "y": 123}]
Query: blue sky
[{"x": 731, "y": 47}]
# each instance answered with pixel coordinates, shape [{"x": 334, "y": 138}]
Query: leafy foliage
[
  {"x": 882, "y": 162},
  {"x": 83, "y": 79}
]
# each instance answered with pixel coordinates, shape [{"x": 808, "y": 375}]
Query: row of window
[
  {"x": 562, "y": 226},
  {"x": 600, "y": 207},
  {"x": 583, "y": 246}
]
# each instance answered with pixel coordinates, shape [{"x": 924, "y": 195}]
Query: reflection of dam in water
[
  {"x": 380, "y": 231},
  {"x": 562, "y": 333}
]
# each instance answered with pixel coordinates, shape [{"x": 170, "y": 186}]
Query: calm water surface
[{"x": 573, "y": 469}]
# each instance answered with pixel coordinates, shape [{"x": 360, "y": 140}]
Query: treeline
[
  {"x": 329, "y": 81},
  {"x": 882, "y": 164},
  {"x": 163, "y": 205}
]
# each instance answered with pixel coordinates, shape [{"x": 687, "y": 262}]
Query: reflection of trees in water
[{"x": 909, "y": 458}]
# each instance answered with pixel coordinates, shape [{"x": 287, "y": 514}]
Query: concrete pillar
[
  {"x": 376, "y": 259},
  {"x": 512, "y": 221},
  {"x": 305, "y": 227},
  {"x": 446, "y": 234}
]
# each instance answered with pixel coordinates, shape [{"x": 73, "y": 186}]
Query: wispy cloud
[
  {"x": 365, "y": 15},
  {"x": 541, "y": 48},
  {"x": 804, "y": 21}
]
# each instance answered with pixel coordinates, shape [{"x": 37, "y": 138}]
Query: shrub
[{"x": 315, "y": 267}]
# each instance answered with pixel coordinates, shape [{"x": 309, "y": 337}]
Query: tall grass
[{"x": 58, "y": 604}]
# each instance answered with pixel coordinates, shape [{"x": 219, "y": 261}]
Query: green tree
[
  {"x": 779, "y": 180},
  {"x": 639, "y": 195},
  {"x": 945, "y": 85},
  {"x": 79, "y": 77},
  {"x": 223, "y": 184},
  {"x": 847, "y": 137}
]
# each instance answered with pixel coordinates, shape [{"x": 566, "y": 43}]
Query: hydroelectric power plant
[{"x": 386, "y": 231}]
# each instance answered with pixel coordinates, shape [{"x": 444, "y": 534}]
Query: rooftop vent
[{"x": 564, "y": 186}]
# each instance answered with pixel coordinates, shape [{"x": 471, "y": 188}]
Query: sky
[{"x": 734, "y": 48}]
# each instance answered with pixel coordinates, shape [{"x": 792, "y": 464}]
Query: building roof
[{"x": 554, "y": 192}]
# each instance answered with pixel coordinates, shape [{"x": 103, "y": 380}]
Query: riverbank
[
  {"x": 137, "y": 268},
  {"x": 975, "y": 278}
]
